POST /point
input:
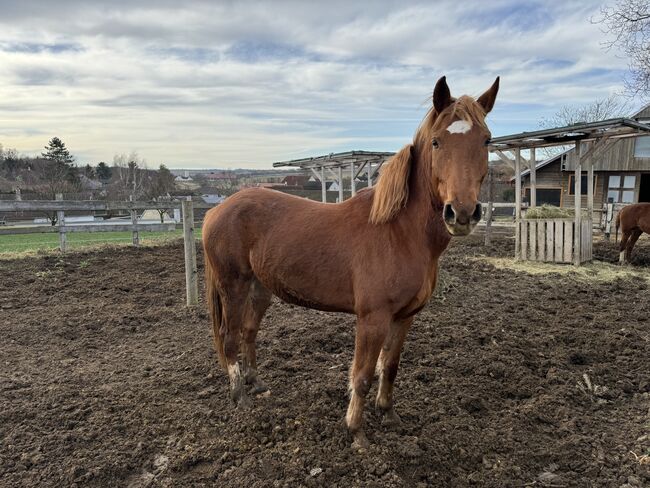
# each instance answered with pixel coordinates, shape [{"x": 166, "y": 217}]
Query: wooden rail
[{"x": 60, "y": 206}]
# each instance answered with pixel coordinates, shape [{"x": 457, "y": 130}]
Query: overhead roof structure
[
  {"x": 618, "y": 128},
  {"x": 334, "y": 160}
]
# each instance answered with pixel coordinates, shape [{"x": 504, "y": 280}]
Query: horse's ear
[
  {"x": 441, "y": 95},
  {"x": 487, "y": 99},
  {"x": 392, "y": 190}
]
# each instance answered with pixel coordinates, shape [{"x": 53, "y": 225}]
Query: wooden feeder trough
[{"x": 555, "y": 240}]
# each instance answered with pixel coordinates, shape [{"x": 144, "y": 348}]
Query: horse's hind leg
[
  {"x": 370, "y": 336},
  {"x": 625, "y": 236},
  {"x": 386, "y": 369},
  {"x": 259, "y": 299},
  {"x": 234, "y": 298},
  {"x": 636, "y": 233}
]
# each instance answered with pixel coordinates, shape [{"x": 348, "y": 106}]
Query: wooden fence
[
  {"x": 554, "y": 240},
  {"x": 60, "y": 206}
]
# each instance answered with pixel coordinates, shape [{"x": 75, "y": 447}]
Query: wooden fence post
[
  {"x": 488, "y": 212},
  {"x": 134, "y": 223},
  {"x": 60, "y": 221},
  {"x": 191, "y": 272}
]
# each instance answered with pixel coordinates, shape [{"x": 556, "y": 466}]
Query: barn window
[
  {"x": 583, "y": 184},
  {"x": 621, "y": 188},
  {"x": 546, "y": 196},
  {"x": 642, "y": 147}
]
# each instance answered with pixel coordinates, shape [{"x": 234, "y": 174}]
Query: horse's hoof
[
  {"x": 258, "y": 388},
  {"x": 391, "y": 419},
  {"x": 244, "y": 403},
  {"x": 360, "y": 442}
]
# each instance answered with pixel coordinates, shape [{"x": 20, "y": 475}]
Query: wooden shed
[
  {"x": 565, "y": 240},
  {"x": 621, "y": 174}
]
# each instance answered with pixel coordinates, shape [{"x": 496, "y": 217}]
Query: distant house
[
  {"x": 212, "y": 199},
  {"x": 621, "y": 173},
  {"x": 296, "y": 180}
]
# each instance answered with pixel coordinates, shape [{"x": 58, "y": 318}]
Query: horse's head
[{"x": 460, "y": 154}]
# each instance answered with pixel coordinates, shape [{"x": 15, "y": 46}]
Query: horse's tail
[
  {"x": 618, "y": 224},
  {"x": 214, "y": 306}
]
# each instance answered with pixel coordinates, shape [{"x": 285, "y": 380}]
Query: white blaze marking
[{"x": 459, "y": 127}]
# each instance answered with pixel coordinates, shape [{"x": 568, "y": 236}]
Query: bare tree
[
  {"x": 130, "y": 176},
  {"x": 604, "y": 108},
  {"x": 601, "y": 109},
  {"x": 627, "y": 23},
  {"x": 161, "y": 184}
]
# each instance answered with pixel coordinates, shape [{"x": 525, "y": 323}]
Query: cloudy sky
[{"x": 247, "y": 83}]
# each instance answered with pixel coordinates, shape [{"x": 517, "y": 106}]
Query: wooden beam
[
  {"x": 86, "y": 205},
  {"x": 370, "y": 173},
  {"x": 340, "y": 184},
  {"x": 533, "y": 179},
  {"x": 60, "y": 221},
  {"x": 577, "y": 182},
  {"x": 362, "y": 165},
  {"x": 518, "y": 204},
  {"x": 315, "y": 174},
  {"x": 191, "y": 272},
  {"x": 323, "y": 184},
  {"x": 503, "y": 157},
  {"x": 86, "y": 228},
  {"x": 353, "y": 183}
]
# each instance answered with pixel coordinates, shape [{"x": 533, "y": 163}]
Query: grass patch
[
  {"x": 588, "y": 272},
  {"x": 20, "y": 245}
]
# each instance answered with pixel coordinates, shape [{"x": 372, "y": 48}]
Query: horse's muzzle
[{"x": 460, "y": 220}]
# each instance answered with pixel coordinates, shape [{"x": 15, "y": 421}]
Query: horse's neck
[{"x": 424, "y": 206}]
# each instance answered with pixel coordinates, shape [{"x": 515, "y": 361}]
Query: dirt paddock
[{"x": 508, "y": 378}]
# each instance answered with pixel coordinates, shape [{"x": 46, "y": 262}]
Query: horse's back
[{"x": 636, "y": 216}]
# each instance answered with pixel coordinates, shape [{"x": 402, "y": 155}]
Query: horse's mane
[{"x": 391, "y": 192}]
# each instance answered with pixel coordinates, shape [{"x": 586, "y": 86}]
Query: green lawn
[{"x": 23, "y": 243}]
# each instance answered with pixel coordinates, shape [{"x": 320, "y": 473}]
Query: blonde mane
[{"x": 391, "y": 192}]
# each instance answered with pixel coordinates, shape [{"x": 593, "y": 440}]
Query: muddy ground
[{"x": 509, "y": 379}]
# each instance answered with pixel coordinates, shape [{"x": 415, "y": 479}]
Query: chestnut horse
[
  {"x": 633, "y": 220},
  {"x": 374, "y": 255}
]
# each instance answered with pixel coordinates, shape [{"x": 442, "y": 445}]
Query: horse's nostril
[
  {"x": 478, "y": 213},
  {"x": 448, "y": 214}
]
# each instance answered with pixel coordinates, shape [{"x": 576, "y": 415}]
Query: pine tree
[
  {"x": 57, "y": 152},
  {"x": 104, "y": 172}
]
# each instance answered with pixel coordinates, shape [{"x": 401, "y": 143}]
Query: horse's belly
[{"x": 305, "y": 287}]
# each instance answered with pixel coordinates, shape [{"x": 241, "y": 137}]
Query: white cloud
[{"x": 249, "y": 83}]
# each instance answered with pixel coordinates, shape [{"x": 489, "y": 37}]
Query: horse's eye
[
  {"x": 487, "y": 142},
  {"x": 434, "y": 143}
]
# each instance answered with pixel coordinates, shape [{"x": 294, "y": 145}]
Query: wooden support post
[
  {"x": 60, "y": 221},
  {"x": 588, "y": 238},
  {"x": 488, "y": 212},
  {"x": 577, "y": 180},
  {"x": 340, "y": 184},
  {"x": 191, "y": 273},
  {"x": 369, "y": 174},
  {"x": 533, "y": 179},
  {"x": 353, "y": 184},
  {"x": 323, "y": 185},
  {"x": 135, "y": 236},
  {"x": 517, "y": 204}
]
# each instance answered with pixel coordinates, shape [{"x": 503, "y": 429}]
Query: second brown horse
[
  {"x": 633, "y": 221},
  {"x": 374, "y": 255}
]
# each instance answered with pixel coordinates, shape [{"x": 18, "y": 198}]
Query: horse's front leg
[
  {"x": 371, "y": 334},
  {"x": 387, "y": 366}
]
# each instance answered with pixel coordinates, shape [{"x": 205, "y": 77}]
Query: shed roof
[
  {"x": 334, "y": 160},
  {"x": 618, "y": 128}
]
